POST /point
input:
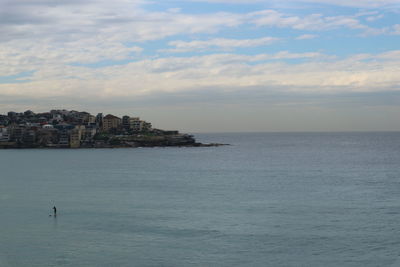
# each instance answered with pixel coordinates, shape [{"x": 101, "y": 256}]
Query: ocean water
[{"x": 269, "y": 199}]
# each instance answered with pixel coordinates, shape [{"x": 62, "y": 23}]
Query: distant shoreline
[
  {"x": 62, "y": 129},
  {"x": 16, "y": 147}
]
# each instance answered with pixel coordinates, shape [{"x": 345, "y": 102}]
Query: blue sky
[{"x": 193, "y": 65}]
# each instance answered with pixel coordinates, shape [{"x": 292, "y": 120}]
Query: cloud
[
  {"x": 396, "y": 29},
  {"x": 374, "y": 18},
  {"x": 40, "y": 33},
  {"x": 54, "y": 40},
  {"x": 129, "y": 21},
  {"x": 317, "y": 22},
  {"x": 218, "y": 43},
  {"x": 43, "y": 32},
  {"x": 19, "y": 56},
  {"x": 358, "y": 3},
  {"x": 119, "y": 20},
  {"x": 316, "y": 73},
  {"x": 306, "y": 37}
]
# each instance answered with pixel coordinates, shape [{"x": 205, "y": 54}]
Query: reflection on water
[{"x": 55, "y": 221}]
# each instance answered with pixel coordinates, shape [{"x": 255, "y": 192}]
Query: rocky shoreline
[{"x": 180, "y": 140}]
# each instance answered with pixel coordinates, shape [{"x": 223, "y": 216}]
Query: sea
[{"x": 267, "y": 199}]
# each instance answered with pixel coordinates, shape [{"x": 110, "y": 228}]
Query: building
[
  {"x": 63, "y": 128},
  {"x": 63, "y": 139},
  {"x": 76, "y": 136},
  {"x": 88, "y": 134},
  {"x": 138, "y": 125},
  {"x": 99, "y": 120},
  {"x": 12, "y": 114},
  {"x": 135, "y": 124},
  {"x": 47, "y": 137},
  {"x": 43, "y": 120},
  {"x": 111, "y": 122},
  {"x": 16, "y": 132},
  {"x": 91, "y": 120},
  {"x": 125, "y": 122},
  {"x": 57, "y": 118},
  {"x": 29, "y": 137},
  {"x": 4, "y": 136}
]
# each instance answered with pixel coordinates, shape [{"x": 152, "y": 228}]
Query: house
[
  {"x": 135, "y": 124},
  {"x": 111, "y": 122},
  {"x": 63, "y": 138},
  {"x": 75, "y": 138}
]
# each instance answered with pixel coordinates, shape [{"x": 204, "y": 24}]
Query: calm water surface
[{"x": 305, "y": 199}]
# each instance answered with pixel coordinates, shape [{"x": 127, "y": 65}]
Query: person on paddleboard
[{"x": 55, "y": 210}]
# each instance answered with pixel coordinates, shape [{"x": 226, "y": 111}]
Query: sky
[{"x": 207, "y": 65}]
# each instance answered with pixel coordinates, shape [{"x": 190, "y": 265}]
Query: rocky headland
[{"x": 75, "y": 129}]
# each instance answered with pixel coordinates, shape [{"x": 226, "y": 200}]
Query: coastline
[
  {"x": 13, "y": 145},
  {"x": 62, "y": 129}
]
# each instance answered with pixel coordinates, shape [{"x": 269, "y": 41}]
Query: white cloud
[
  {"x": 38, "y": 32},
  {"x": 318, "y": 22},
  {"x": 306, "y": 37},
  {"x": 357, "y": 3},
  {"x": 46, "y": 38},
  {"x": 218, "y": 43},
  {"x": 318, "y": 73},
  {"x": 128, "y": 21},
  {"x": 396, "y": 29},
  {"x": 41, "y": 32},
  {"x": 374, "y": 18},
  {"x": 19, "y": 56},
  {"x": 119, "y": 20}
]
